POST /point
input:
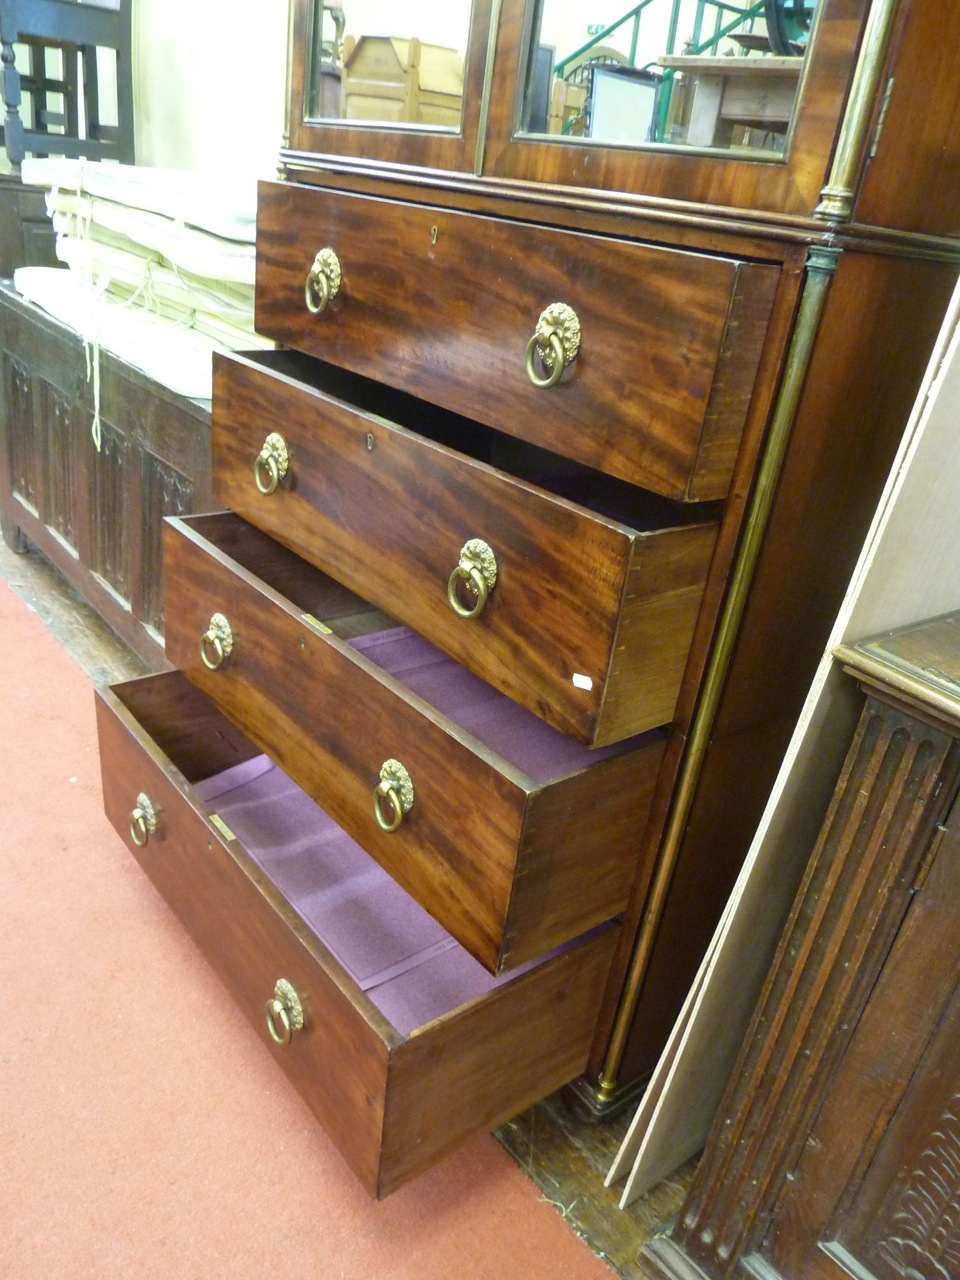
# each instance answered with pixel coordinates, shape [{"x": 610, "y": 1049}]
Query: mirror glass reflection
[
  {"x": 714, "y": 74},
  {"x": 376, "y": 63}
]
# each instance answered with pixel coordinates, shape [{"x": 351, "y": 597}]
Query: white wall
[{"x": 209, "y": 84}]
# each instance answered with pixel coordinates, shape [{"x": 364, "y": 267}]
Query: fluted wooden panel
[
  {"x": 21, "y": 438},
  {"x": 166, "y": 492},
  {"x": 847, "y": 912},
  {"x": 53, "y": 429},
  {"x": 110, "y": 489}
]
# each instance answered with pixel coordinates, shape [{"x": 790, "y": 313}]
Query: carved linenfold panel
[
  {"x": 846, "y": 915},
  {"x": 89, "y": 511},
  {"x": 60, "y": 472},
  {"x": 110, "y": 524},
  {"x": 166, "y": 492},
  {"x": 21, "y": 436},
  {"x": 923, "y": 1238}
]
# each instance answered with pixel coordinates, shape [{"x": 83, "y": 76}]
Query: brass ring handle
[
  {"x": 216, "y": 643},
  {"x": 478, "y": 584},
  {"x": 323, "y": 281},
  {"x": 554, "y": 363},
  {"x": 143, "y": 820},
  {"x": 396, "y": 787},
  {"x": 556, "y": 340},
  {"x": 284, "y": 1007},
  {"x": 316, "y": 291},
  {"x": 277, "y": 1012},
  {"x": 386, "y": 791},
  {"x": 478, "y": 569},
  {"x": 271, "y": 464}
]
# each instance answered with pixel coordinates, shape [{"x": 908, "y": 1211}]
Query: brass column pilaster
[
  {"x": 836, "y": 198},
  {"x": 821, "y": 264}
]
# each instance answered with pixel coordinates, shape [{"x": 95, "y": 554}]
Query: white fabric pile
[{"x": 161, "y": 265}]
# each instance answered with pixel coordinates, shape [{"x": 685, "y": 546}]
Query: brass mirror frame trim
[{"x": 837, "y": 196}]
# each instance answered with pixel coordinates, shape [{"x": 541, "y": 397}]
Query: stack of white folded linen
[{"x": 161, "y": 265}]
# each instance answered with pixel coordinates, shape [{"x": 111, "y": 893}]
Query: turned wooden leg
[{"x": 12, "y": 124}]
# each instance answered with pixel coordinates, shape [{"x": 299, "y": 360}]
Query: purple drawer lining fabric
[
  {"x": 543, "y": 753},
  {"x": 410, "y": 967}
]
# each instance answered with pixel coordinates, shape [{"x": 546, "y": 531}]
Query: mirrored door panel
[
  {"x": 711, "y": 74},
  {"x": 378, "y": 80},
  {"x": 663, "y": 96}
]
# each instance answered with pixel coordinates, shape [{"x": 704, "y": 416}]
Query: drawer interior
[
  {"x": 538, "y": 750},
  {"x": 409, "y": 968},
  {"x": 605, "y": 495}
]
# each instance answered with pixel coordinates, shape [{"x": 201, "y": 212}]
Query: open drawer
[
  {"x": 449, "y": 305},
  {"x": 400, "y": 1043},
  {"x": 490, "y": 821},
  {"x": 594, "y": 587}
]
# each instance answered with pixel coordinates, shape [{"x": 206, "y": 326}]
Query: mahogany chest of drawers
[{"x": 530, "y": 536}]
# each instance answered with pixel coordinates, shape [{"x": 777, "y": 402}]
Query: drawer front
[
  {"x": 588, "y": 622},
  {"x": 496, "y": 856},
  {"x": 444, "y": 305},
  {"x": 393, "y": 1104}
]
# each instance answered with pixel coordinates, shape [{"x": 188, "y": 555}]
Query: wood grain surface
[
  {"x": 489, "y": 1060},
  {"x": 330, "y": 718},
  {"x": 782, "y": 184},
  {"x": 244, "y": 927},
  {"x": 608, "y": 595},
  {"x": 443, "y": 304}
]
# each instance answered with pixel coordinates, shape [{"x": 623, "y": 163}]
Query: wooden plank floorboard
[{"x": 568, "y": 1159}]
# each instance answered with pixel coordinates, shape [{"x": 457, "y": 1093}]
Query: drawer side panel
[
  {"x": 489, "y": 1061},
  {"x": 580, "y": 849},
  {"x": 338, "y": 1062},
  {"x": 750, "y": 308},
  {"x": 658, "y": 613}
]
